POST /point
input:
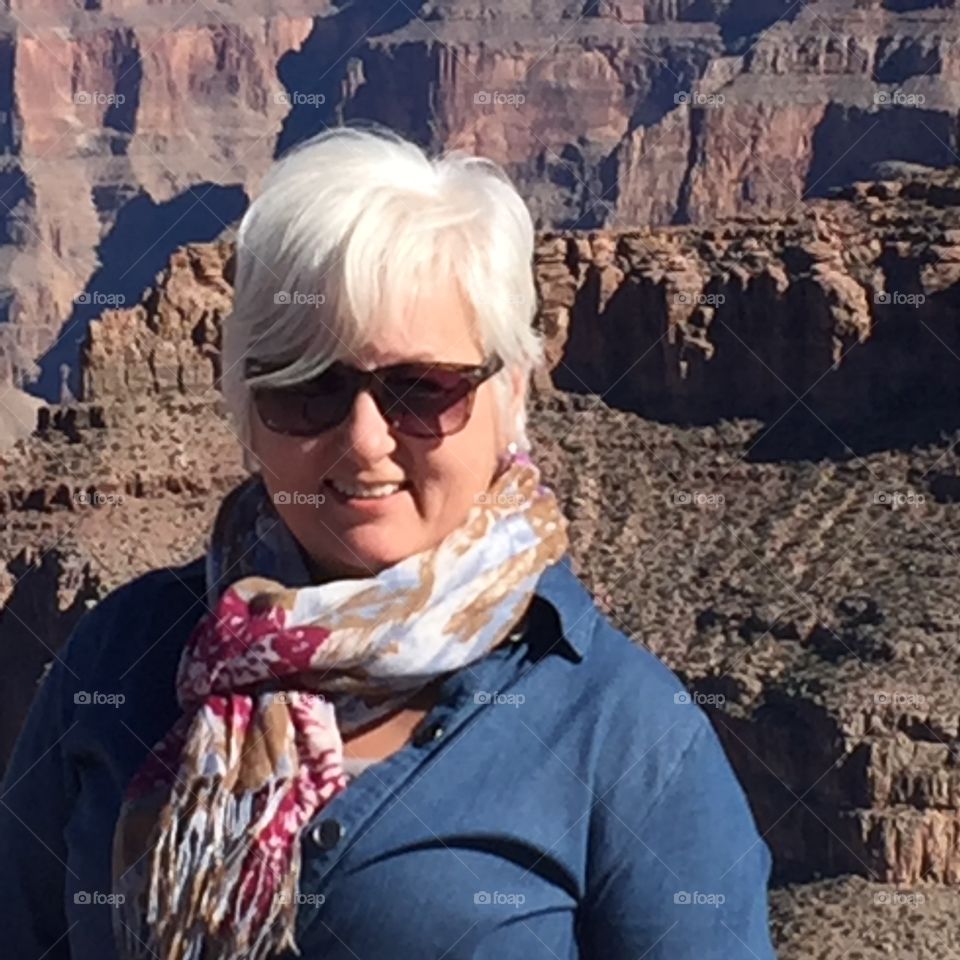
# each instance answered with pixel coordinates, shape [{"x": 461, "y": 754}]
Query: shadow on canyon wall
[
  {"x": 139, "y": 246},
  {"x": 778, "y": 358}
]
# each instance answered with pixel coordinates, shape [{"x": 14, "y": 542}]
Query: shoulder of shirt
[
  {"x": 635, "y": 704},
  {"x": 627, "y": 669},
  {"x": 155, "y": 600},
  {"x": 184, "y": 582}
]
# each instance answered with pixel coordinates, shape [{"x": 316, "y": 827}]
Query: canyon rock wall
[{"x": 128, "y": 130}]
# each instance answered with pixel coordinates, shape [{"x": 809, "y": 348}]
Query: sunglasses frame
[{"x": 474, "y": 374}]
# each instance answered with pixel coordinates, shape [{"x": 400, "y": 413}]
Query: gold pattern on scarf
[{"x": 268, "y": 739}]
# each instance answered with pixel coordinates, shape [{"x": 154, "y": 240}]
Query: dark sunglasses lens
[
  {"x": 308, "y": 409},
  {"x": 428, "y": 402},
  {"x": 294, "y": 413}
]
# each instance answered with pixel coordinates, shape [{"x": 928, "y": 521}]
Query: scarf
[{"x": 206, "y": 852}]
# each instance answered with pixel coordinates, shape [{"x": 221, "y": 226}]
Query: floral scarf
[{"x": 206, "y": 852}]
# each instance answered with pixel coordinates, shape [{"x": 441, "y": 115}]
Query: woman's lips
[{"x": 365, "y": 504}]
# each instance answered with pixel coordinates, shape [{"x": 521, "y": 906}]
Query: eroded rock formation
[{"x": 803, "y": 318}]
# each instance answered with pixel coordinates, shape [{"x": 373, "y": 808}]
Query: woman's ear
[
  {"x": 250, "y": 438},
  {"x": 250, "y": 460}
]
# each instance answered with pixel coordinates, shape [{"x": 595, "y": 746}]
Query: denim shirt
[{"x": 563, "y": 799}]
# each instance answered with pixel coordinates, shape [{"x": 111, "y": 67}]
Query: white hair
[{"x": 345, "y": 229}]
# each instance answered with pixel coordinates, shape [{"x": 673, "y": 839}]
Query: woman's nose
[{"x": 366, "y": 434}]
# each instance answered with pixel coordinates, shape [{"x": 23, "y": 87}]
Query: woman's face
[{"x": 441, "y": 477}]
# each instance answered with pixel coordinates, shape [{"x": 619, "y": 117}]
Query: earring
[{"x": 507, "y": 456}]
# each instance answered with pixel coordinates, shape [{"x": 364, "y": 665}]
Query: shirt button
[
  {"x": 433, "y": 731},
  {"x": 326, "y": 834}
]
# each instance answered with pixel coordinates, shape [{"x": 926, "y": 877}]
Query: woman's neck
[{"x": 323, "y": 572}]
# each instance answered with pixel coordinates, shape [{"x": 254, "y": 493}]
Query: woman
[{"x": 381, "y": 717}]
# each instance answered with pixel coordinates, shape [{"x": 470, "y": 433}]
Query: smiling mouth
[{"x": 365, "y": 491}]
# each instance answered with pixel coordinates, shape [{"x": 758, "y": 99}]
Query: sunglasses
[{"x": 417, "y": 399}]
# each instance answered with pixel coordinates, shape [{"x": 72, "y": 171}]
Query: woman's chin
[{"x": 373, "y": 547}]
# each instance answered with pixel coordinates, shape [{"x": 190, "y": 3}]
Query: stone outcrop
[
  {"x": 803, "y": 317},
  {"x": 170, "y": 342}
]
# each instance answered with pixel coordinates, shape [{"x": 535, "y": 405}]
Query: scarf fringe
[{"x": 207, "y": 881}]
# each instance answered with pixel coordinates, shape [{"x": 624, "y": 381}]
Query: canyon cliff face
[
  {"x": 803, "y": 318},
  {"x": 128, "y": 130}
]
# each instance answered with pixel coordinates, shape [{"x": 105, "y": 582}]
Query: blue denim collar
[{"x": 560, "y": 586}]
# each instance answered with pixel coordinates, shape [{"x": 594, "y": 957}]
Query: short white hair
[{"x": 349, "y": 224}]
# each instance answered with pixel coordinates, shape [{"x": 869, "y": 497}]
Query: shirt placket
[{"x": 328, "y": 838}]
